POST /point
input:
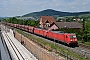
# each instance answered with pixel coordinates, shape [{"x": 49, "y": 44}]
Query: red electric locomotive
[
  {"x": 68, "y": 38},
  {"x": 40, "y": 31}
]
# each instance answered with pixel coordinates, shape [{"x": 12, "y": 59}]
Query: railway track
[
  {"x": 16, "y": 49},
  {"x": 16, "y": 52},
  {"x": 84, "y": 46}
]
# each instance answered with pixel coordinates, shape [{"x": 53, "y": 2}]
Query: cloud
[{"x": 21, "y": 7}]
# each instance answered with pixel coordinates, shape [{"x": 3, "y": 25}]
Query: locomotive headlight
[
  {"x": 75, "y": 39},
  {"x": 70, "y": 40}
]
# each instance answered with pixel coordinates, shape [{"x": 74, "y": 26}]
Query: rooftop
[
  {"x": 68, "y": 24},
  {"x": 50, "y": 19}
]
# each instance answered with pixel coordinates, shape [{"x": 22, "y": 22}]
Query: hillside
[{"x": 51, "y": 12}]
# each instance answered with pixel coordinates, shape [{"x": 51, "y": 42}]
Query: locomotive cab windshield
[{"x": 72, "y": 36}]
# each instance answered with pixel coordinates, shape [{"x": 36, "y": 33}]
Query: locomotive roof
[
  {"x": 58, "y": 32},
  {"x": 39, "y": 28}
]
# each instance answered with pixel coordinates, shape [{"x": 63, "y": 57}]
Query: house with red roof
[{"x": 46, "y": 21}]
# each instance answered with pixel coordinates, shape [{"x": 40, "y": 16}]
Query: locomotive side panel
[
  {"x": 36, "y": 31},
  {"x": 50, "y": 34},
  {"x": 60, "y": 37},
  {"x": 44, "y": 33}
]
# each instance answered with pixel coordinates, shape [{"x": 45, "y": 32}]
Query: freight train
[{"x": 68, "y": 38}]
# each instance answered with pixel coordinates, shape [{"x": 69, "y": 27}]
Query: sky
[{"x": 10, "y": 8}]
